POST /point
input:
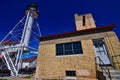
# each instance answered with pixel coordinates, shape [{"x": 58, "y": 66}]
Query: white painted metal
[
  {"x": 25, "y": 39},
  {"x": 12, "y": 30},
  {"x": 10, "y": 64},
  {"x": 18, "y": 48},
  {"x": 27, "y": 29}
]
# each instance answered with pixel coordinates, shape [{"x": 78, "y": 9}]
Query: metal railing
[{"x": 103, "y": 68}]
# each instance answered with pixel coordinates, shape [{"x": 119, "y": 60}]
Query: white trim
[
  {"x": 70, "y": 78},
  {"x": 69, "y": 55}
]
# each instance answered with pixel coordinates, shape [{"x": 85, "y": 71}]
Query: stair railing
[{"x": 104, "y": 68}]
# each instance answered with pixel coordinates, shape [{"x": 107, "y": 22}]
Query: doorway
[{"x": 101, "y": 51}]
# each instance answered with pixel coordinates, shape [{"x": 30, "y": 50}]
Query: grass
[
  {"x": 3, "y": 79},
  {"x": 27, "y": 77}
]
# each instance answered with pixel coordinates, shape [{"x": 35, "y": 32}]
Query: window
[
  {"x": 71, "y": 73},
  {"x": 69, "y": 48},
  {"x": 100, "y": 47},
  {"x": 84, "y": 20}
]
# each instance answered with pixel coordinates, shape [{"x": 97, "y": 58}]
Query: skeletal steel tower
[
  {"x": 31, "y": 12},
  {"x": 23, "y": 39}
]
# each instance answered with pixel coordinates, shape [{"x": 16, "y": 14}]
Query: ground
[{"x": 22, "y": 77}]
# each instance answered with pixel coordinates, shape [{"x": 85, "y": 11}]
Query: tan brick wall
[
  {"x": 89, "y": 21},
  {"x": 50, "y": 66},
  {"x": 113, "y": 45},
  {"x": 75, "y": 38}
]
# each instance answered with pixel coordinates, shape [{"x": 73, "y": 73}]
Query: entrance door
[{"x": 101, "y": 51}]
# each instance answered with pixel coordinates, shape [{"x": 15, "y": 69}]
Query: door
[{"x": 101, "y": 51}]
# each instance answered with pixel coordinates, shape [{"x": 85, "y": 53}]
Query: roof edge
[{"x": 91, "y": 29}]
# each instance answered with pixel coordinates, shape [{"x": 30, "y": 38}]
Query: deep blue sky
[{"x": 57, "y": 16}]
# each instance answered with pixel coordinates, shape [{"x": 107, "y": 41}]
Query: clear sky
[{"x": 57, "y": 16}]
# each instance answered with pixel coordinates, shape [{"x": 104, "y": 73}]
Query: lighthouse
[
  {"x": 13, "y": 51},
  {"x": 32, "y": 13}
]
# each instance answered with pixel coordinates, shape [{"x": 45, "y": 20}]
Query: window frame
[
  {"x": 70, "y": 73},
  {"x": 69, "y": 52}
]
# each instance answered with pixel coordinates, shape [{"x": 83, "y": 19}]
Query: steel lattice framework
[{"x": 21, "y": 39}]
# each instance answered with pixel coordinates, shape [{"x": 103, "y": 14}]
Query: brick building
[{"x": 73, "y": 55}]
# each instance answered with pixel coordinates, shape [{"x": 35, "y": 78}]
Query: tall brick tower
[{"x": 84, "y": 21}]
